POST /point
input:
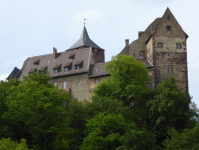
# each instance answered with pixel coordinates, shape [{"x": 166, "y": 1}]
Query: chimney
[
  {"x": 54, "y": 53},
  {"x": 127, "y": 42}
]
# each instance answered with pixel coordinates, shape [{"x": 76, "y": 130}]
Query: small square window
[
  {"x": 142, "y": 53},
  {"x": 77, "y": 67},
  {"x": 70, "y": 58},
  {"x": 64, "y": 85},
  {"x": 133, "y": 55},
  {"x": 55, "y": 70},
  {"x": 160, "y": 45},
  {"x": 170, "y": 70},
  {"x": 168, "y": 28},
  {"x": 36, "y": 63},
  {"x": 55, "y": 83},
  {"x": 179, "y": 46},
  {"x": 78, "y": 83},
  {"x": 96, "y": 81},
  {"x": 66, "y": 69}
]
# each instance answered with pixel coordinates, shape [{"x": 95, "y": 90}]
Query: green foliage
[
  {"x": 7, "y": 144},
  {"x": 187, "y": 139},
  {"x": 107, "y": 105},
  {"x": 169, "y": 108},
  {"x": 37, "y": 112},
  {"x": 4, "y": 125},
  {"x": 40, "y": 76},
  {"x": 103, "y": 132},
  {"x": 128, "y": 78}
]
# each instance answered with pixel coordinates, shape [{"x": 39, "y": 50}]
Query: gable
[{"x": 168, "y": 20}]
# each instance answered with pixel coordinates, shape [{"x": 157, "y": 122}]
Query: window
[
  {"x": 160, "y": 45},
  {"x": 133, "y": 55},
  {"x": 55, "y": 70},
  {"x": 77, "y": 67},
  {"x": 142, "y": 53},
  {"x": 36, "y": 63},
  {"x": 168, "y": 17},
  {"x": 168, "y": 28},
  {"x": 55, "y": 83},
  {"x": 179, "y": 46},
  {"x": 64, "y": 85},
  {"x": 66, "y": 69},
  {"x": 170, "y": 70},
  {"x": 96, "y": 81},
  {"x": 78, "y": 83},
  {"x": 70, "y": 58}
]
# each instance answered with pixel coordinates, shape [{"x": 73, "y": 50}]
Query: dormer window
[
  {"x": 36, "y": 62},
  {"x": 78, "y": 65},
  {"x": 32, "y": 70},
  {"x": 57, "y": 68},
  {"x": 44, "y": 68},
  {"x": 67, "y": 67},
  {"x": 168, "y": 28},
  {"x": 71, "y": 56}
]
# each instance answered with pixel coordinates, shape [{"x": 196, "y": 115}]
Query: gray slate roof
[
  {"x": 84, "y": 41},
  {"x": 62, "y": 59}
]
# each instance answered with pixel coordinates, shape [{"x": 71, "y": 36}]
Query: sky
[{"x": 33, "y": 27}]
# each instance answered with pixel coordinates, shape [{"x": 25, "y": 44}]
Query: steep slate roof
[
  {"x": 98, "y": 70},
  {"x": 61, "y": 59},
  {"x": 84, "y": 41},
  {"x": 14, "y": 74}
]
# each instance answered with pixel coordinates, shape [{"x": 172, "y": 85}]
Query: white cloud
[{"x": 4, "y": 76}]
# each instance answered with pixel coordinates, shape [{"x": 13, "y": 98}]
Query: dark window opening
[
  {"x": 77, "y": 67},
  {"x": 133, "y": 55},
  {"x": 66, "y": 69},
  {"x": 96, "y": 81},
  {"x": 55, "y": 70},
  {"x": 160, "y": 45},
  {"x": 170, "y": 70},
  {"x": 179, "y": 46},
  {"x": 64, "y": 85},
  {"x": 168, "y": 17},
  {"x": 168, "y": 28},
  {"x": 78, "y": 83}
]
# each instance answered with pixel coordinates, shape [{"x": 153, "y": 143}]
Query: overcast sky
[{"x": 33, "y": 27}]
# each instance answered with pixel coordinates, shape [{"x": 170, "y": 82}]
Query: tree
[
  {"x": 11, "y": 145},
  {"x": 38, "y": 112},
  {"x": 129, "y": 78},
  {"x": 187, "y": 139},
  {"x": 5, "y": 127},
  {"x": 169, "y": 108}
]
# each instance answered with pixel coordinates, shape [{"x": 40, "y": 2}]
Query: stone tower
[
  {"x": 163, "y": 44},
  {"x": 166, "y": 49}
]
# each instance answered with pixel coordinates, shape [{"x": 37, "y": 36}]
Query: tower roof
[{"x": 84, "y": 41}]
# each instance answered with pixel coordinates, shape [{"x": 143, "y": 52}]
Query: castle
[{"x": 161, "y": 47}]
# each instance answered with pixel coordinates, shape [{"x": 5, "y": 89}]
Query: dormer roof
[{"x": 84, "y": 41}]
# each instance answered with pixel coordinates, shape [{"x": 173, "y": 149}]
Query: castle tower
[{"x": 166, "y": 49}]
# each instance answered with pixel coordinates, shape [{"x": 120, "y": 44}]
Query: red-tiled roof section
[
  {"x": 61, "y": 59},
  {"x": 98, "y": 70}
]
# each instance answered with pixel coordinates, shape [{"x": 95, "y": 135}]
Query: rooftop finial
[{"x": 84, "y": 21}]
